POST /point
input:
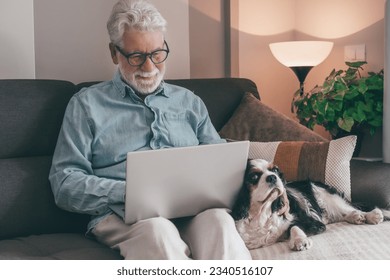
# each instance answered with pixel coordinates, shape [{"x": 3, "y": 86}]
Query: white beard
[{"x": 144, "y": 86}]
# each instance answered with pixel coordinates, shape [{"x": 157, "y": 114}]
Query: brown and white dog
[{"x": 269, "y": 210}]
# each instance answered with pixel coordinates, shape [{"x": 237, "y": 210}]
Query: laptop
[{"x": 181, "y": 182}]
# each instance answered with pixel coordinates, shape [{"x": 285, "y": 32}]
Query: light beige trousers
[{"x": 211, "y": 235}]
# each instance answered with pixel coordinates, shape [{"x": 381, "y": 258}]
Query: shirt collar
[{"x": 123, "y": 88}]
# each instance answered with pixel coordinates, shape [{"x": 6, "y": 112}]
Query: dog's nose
[{"x": 271, "y": 179}]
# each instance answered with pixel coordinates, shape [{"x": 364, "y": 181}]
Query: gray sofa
[{"x": 33, "y": 227}]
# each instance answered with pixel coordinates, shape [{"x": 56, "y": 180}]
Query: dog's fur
[{"x": 269, "y": 210}]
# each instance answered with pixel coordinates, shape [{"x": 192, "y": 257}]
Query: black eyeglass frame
[{"x": 144, "y": 55}]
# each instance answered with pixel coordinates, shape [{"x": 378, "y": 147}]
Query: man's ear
[{"x": 113, "y": 53}]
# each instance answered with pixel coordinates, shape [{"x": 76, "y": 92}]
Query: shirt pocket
[{"x": 180, "y": 131}]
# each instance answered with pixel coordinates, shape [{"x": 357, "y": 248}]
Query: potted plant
[{"x": 346, "y": 103}]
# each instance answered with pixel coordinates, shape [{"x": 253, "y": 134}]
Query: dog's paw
[
  {"x": 300, "y": 244},
  {"x": 374, "y": 217},
  {"x": 356, "y": 217}
]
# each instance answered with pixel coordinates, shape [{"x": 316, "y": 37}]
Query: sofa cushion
[
  {"x": 55, "y": 246},
  {"x": 33, "y": 110},
  {"x": 27, "y": 204},
  {"x": 326, "y": 162},
  {"x": 255, "y": 121}
]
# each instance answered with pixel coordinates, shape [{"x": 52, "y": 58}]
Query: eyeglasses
[{"x": 139, "y": 58}]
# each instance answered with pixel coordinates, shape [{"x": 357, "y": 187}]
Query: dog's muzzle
[{"x": 271, "y": 179}]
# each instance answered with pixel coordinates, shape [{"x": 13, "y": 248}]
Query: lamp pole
[{"x": 301, "y": 73}]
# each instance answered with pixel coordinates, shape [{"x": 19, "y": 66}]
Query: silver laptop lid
[{"x": 179, "y": 182}]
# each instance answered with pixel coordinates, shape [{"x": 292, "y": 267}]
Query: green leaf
[
  {"x": 330, "y": 114},
  {"x": 338, "y": 106},
  {"x": 379, "y": 107},
  {"x": 376, "y": 122},
  {"x": 345, "y": 123},
  {"x": 339, "y": 95},
  {"x": 355, "y": 64},
  {"x": 352, "y": 93},
  {"x": 359, "y": 114},
  {"x": 362, "y": 87}
]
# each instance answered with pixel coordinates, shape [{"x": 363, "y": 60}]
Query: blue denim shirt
[{"x": 104, "y": 122}]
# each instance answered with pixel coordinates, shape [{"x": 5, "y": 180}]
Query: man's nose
[{"x": 148, "y": 65}]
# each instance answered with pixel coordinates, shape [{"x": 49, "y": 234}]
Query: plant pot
[
  {"x": 360, "y": 136},
  {"x": 367, "y": 145}
]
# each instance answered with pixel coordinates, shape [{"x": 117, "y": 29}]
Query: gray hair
[{"x": 138, "y": 15}]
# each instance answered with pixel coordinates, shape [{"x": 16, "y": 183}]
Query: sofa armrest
[{"x": 370, "y": 183}]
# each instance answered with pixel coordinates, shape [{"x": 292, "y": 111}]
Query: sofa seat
[
  {"x": 341, "y": 241},
  {"x": 60, "y": 246}
]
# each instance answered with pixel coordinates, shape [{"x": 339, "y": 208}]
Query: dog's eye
[
  {"x": 275, "y": 169},
  {"x": 253, "y": 178}
]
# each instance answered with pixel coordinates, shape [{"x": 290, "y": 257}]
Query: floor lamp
[{"x": 301, "y": 56}]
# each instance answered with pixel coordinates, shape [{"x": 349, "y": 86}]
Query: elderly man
[{"x": 134, "y": 111}]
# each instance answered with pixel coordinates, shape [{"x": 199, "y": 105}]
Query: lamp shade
[{"x": 301, "y": 53}]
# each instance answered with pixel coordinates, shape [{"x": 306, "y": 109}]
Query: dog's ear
[
  {"x": 241, "y": 206},
  {"x": 277, "y": 204}
]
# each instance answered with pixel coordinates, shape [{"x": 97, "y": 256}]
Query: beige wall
[
  {"x": 207, "y": 41},
  {"x": 16, "y": 39},
  {"x": 56, "y": 39},
  {"x": 177, "y": 14},
  {"x": 72, "y": 42}
]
